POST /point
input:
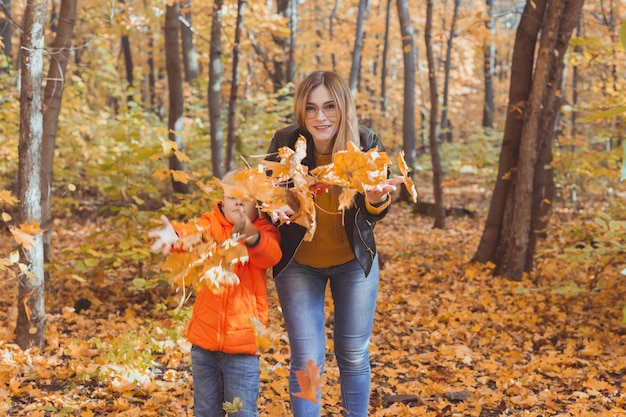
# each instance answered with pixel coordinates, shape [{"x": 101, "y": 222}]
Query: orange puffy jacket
[{"x": 222, "y": 322}]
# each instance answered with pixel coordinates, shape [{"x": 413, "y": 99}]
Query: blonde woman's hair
[{"x": 347, "y": 121}]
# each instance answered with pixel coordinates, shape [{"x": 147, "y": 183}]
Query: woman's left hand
[{"x": 379, "y": 193}]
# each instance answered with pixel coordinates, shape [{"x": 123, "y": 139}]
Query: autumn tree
[
  {"x": 446, "y": 125},
  {"x": 358, "y": 46},
  {"x": 408, "y": 113},
  {"x": 190, "y": 58},
  {"x": 284, "y": 64},
  {"x": 574, "y": 83},
  {"x": 175, "y": 88},
  {"x": 488, "y": 65},
  {"x": 215, "y": 88},
  {"x": 383, "y": 71},
  {"x": 234, "y": 88},
  {"x": 440, "y": 210},
  {"x": 6, "y": 27},
  {"x": 53, "y": 95},
  {"x": 128, "y": 64},
  {"x": 509, "y": 235},
  {"x": 31, "y": 314}
]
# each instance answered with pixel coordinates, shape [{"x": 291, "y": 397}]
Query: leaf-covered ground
[{"x": 449, "y": 339}]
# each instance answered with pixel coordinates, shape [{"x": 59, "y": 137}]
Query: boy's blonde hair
[{"x": 229, "y": 177}]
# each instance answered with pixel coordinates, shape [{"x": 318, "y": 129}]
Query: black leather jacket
[{"x": 359, "y": 223}]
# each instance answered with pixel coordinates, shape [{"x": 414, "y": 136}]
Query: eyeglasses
[{"x": 329, "y": 110}]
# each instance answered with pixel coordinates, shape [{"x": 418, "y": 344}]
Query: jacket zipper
[
  {"x": 221, "y": 332},
  {"x": 369, "y": 249}
]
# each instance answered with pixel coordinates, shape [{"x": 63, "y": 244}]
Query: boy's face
[{"x": 234, "y": 208}]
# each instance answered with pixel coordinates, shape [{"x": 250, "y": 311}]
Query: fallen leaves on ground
[{"x": 449, "y": 340}]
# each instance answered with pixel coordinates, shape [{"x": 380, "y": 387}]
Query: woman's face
[
  {"x": 321, "y": 118},
  {"x": 234, "y": 208}
]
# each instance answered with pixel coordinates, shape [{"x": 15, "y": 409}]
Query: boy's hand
[
  {"x": 165, "y": 237},
  {"x": 243, "y": 227}
]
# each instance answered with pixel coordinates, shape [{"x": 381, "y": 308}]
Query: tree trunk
[
  {"x": 190, "y": 60},
  {"x": 175, "y": 88},
  {"x": 355, "y": 69},
  {"x": 231, "y": 140},
  {"x": 488, "y": 68},
  {"x": 544, "y": 191},
  {"x": 215, "y": 88},
  {"x": 446, "y": 126},
  {"x": 53, "y": 95},
  {"x": 383, "y": 71},
  {"x": 440, "y": 210},
  {"x": 128, "y": 64},
  {"x": 332, "y": 17},
  {"x": 6, "y": 28},
  {"x": 153, "y": 103},
  {"x": 521, "y": 76},
  {"x": 290, "y": 65},
  {"x": 575, "y": 81},
  {"x": 282, "y": 70},
  {"x": 31, "y": 312},
  {"x": 537, "y": 111},
  {"x": 408, "y": 111}
]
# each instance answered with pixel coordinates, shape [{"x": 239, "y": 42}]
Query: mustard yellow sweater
[{"x": 330, "y": 245}]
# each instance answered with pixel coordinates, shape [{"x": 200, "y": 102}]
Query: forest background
[{"x": 128, "y": 125}]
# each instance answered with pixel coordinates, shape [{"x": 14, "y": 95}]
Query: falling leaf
[
  {"x": 310, "y": 381},
  {"x": 180, "y": 176},
  {"x": 27, "y": 309},
  {"x": 161, "y": 174},
  {"x": 262, "y": 335},
  {"x": 7, "y": 198},
  {"x": 24, "y": 235},
  {"x": 233, "y": 407},
  {"x": 408, "y": 182}
]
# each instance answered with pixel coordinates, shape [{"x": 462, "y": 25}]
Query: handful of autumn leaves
[{"x": 284, "y": 191}]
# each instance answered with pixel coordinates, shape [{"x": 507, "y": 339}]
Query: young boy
[{"x": 224, "y": 356}]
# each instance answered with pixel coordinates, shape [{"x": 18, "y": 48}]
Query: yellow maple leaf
[
  {"x": 7, "y": 198},
  {"x": 180, "y": 176},
  {"x": 27, "y": 309},
  {"x": 209, "y": 186},
  {"x": 346, "y": 197},
  {"x": 354, "y": 168},
  {"x": 232, "y": 407},
  {"x": 291, "y": 175},
  {"x": 233, "y": 252},
  {"x": 262, "y": 335},
  {"x": 253, "y": 184},
  {"x": 310, "y": 381},
  {"x": 31, "y": 228},
  {"x": 161, "y": 174},
  {"x": 408, "y": 182},
  {"x": 24, "y": 235},
  {"x": 290, "y": 164}
]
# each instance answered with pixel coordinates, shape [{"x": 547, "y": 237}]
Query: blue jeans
[
  {"x": 301, "y": 290},
  {"x": 220, "y": 377}
]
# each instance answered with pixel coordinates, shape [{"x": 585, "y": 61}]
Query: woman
[{"x": 342, "y": 251}]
